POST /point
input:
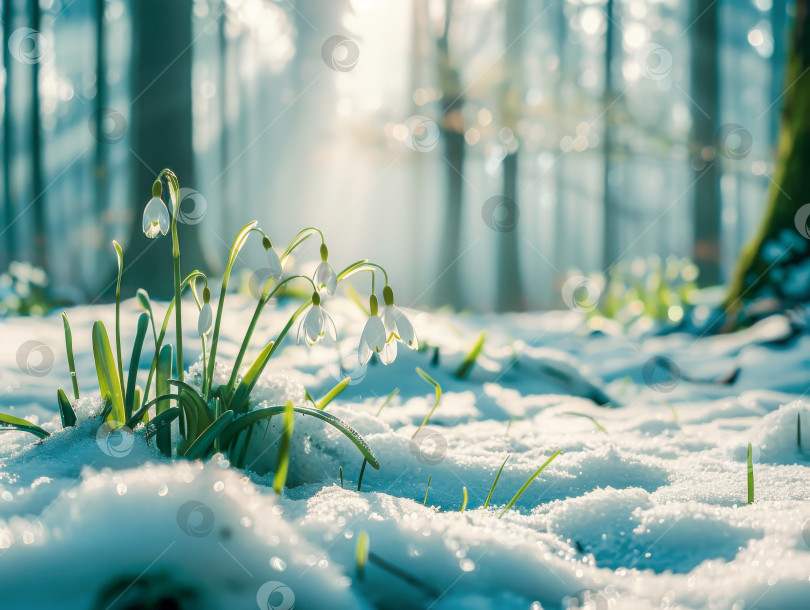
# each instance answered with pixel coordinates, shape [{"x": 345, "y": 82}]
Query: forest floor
[{"x": 650, "y": 512}]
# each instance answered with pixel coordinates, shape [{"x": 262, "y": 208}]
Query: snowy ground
[{"x": 651, "y": 514}]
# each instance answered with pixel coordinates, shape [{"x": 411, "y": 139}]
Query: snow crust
[{"x": 651, "y": 514}]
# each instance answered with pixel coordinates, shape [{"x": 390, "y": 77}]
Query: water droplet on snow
[
  {"x": 219, "y": 486},
  {"x": 121, "y": 489},
  {"x": 278, "y": 564},
  {"x": 163, "y": 490}
]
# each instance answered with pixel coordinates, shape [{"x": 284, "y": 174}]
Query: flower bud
[
  {"x": 206, "y": 295},
  {"x": 266, "y": 243},
  {"x": 388, "y": 295},
  {"x": 157, "y": 189},
  {"x": 316, "y": 298},
  {"x": 324, "y": 252},
  {"x": 372, "y": 301}
]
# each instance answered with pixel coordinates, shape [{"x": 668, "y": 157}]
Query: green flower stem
[
  {"x": 238, "y": 244},
  {"x": 174, "y": 188},
  {"x": 310, "y": 231},
  {"x": 273, "y": 345},
  {"x": 363, "y": 265},
  {"x": 202, "y": 337},
  {"x": 162, "y": 334},
  {"x": 263, "y": 300}
]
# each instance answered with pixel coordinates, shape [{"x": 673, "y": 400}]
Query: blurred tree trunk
[
  {"x": 101, "y": 157},
  {"x": 610, "y": 248},
  {"x": 10, "y": 243},
  {"x": 509, "y": 288},
  {"x": 37, "y": 186},
  {"x": 161, "y": 137},
  {"x": 759, "y": 274},
  {"x": 705, "y": 112},
  {"x": 452, "y": 130}
]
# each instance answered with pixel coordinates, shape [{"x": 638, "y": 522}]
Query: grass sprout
[
  {"x": 463, "y": 370},
  {"x": 438, "y": 389},
  {"x": 529, "y": 482},
  {"x": 586, "y": 416},
  {"x": 495, "y": 482},
  {"x": 427, "y": 489},
  {"x": 387, "y": 400},
  {"x": 361, "y": 554},
  {"x": 464, "y": 499},
  {"x": 750, "y": 460},
  {"x": 283, "y": 463}
]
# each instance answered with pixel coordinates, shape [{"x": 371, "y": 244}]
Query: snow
[{"x": 652, "y": 514}]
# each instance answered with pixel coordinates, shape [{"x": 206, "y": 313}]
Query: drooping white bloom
[
  {"x": 206, "y": 320},
  {"x": 155, "y": 218},
  {"x": 398, "y": 327},
  {"x": 325, "y": 277},
  {"x": 316, "y": 325},
  {"x": 389, "y": 353},
  {"x": 274, "y": 266},
  {"x": 372, "y": 339}
]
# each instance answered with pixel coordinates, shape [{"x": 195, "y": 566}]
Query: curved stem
[
  {"x": 297, "y": 242},
  {"x": 363, "y": 265},
  {"x": 162, "y": 334}
]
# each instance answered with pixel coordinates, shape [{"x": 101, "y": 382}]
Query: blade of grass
[
  {"x": 143, "y": 298},
  {"x": 108, "y": 382},
  {"x": 438, "y": 389},
  {"x": 427, "y": 489},
  {"x": 333, "y": 393},
  {"x": 134, "y": 362},
  {"x": 463, "y": 371},
  {"x": 586, "y": 416},
  {"x": 363, "y": 544},
  {"x": 15, "y": 423},
  {"x": 119, "y": 254},
  {"x": 65, "y": 410},
  {"x": 529, "y": 482},
  {"x": 164, "y": 373},
  {"x": 340, "y": 469},
  {"x": 238, "y": 244},
  {"x": 495, "y": 482},
  {"x": 71, "y": 362},
  {"x": 388, "y": 399},
  {"x": 243, "y": 422},
  {"x": 205, "y": 441},
  {"x": 464, "y": 500},
  {"x": 283, "y": 462},
  {"x": 362, "y": 472},
  {"x": 511, "y": 420},
  {"x": 750, "y": 474}
]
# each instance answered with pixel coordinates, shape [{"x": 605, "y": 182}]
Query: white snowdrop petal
[
  {"x": 206, "y": 320},
  {"x": 274, "y": 264},
  {"x": 389, "y": 353}
]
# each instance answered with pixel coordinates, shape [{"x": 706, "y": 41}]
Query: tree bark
[
  {"x": 705, "y": 110},
  {"x": 161, "y": 136},
  {"x": 760, "y": 272}
]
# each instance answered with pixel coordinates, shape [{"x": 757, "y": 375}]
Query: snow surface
[{"x": 652, "y": 514}]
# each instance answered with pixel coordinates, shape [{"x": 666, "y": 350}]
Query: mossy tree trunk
[{"x": 771, "y": 264}]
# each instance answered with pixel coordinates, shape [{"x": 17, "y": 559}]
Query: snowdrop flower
[
  {"x": 397, "y": 325},
  {"x": 273, "y": 261},
  {"x": 206, "y": 320},
  {"x": 155, "y": 218},
  {"x": 373, "y": 338},
  {"x": 317, "y": 324},
  {"x": 325, "y": 276}
]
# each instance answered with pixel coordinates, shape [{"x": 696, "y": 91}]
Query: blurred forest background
[{"x": 479, "y": 149}]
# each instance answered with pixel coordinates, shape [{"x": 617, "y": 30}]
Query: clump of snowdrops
[{"x": 219, "y": 418}]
